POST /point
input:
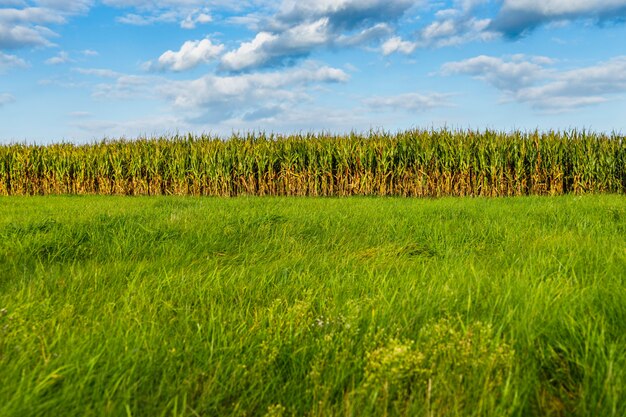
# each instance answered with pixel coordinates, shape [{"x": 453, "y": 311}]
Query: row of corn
[{"x": 410, "y": 163}]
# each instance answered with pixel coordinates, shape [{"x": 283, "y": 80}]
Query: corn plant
[{"x": 417, "y": 163}]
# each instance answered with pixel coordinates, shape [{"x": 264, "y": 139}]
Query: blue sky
[{"x": 83, "y": 70}]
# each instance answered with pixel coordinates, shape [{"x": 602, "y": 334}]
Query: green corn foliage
[{"x": 414, "y": 163}]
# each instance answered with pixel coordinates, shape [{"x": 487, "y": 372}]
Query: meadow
[{"x": 275, "y": 306}]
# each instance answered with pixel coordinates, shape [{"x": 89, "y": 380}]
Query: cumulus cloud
[
  {"x": 32, "y": 15},
  {"x": 513, "y": 74},
  {"x": 25, "y": 24},
  {"x": 397, "y": 44},
  {"x": 411, "y": 102},
  {"x": 249, "y": 96},
  {"x": 246, "y": 92},
  {"x": 579, "y": 87},
  {"x": 67, "y": 7},
  {"x": 214, "y": 98},
  {"x": 342, "y": 14},
  {"x": 299, "y": 27},
  {"x": 468, "y": 5},
  {"x": 269, "y": 48},
  {"x": 455, "y": 31},
  {"x": 533, "y": 80},
  {"x": 187, "y": 13},
  {"x": 8, "y": 62},
  {"x": 196, "y": 17},
  {"x": 463, "y": 23},
  {"x": 129, "y": 87},
  {"x": 145, "y": 20},
  {"x": 190, "y": 55},
  {"x": 61, "y": 58},
  {"x": 449, "y": 28},
  {"x": 519, "y": 16},
  {"x": 365, "y": 36},
  {"x": 14, "y": 36}
]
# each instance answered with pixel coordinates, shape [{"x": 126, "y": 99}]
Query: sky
[{"x": 85, "y": 70}]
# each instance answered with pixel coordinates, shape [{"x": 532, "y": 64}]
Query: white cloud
[
  {"x": 532, "y": 80},
  {"x": 580, "y": 87},
  {"x": 98, "y": 72},
  {"x": 188, "y": 18},
  {"x": 34, "y": 15},
  {"x": 18, "y": 36},
  {"x": 8, "y": 62},
  {"x": 562, "y": 7},
  {"x": 512, "y": 75},
  {"x": 249, "y": 53},
  {"x": 6, "y": 98},
  {"x": 129, "y": 87},
  {"x": 148, "y": 126},
  {"x": 61, "y": 58},
  {"x": 342, "y": 13},
  {"x": 190, "y": 55},
  {"x": 368, "y": 35},
  {"x": 215, "y": 99},
  {"x": 66, "y": 7},
  {"x": 22, "y": 24},
  {"x": 150, "y": 5},
  {"x": 300, "y": 27},
  {"x": 196, "y": 17},
  {"x": 145, "y": 20},
  {"x": 265, "y": 47},
  {"x": 412, "y": 102},
  {"x": 249, "y": 90},
  {"x": 397, "y": 44},
  {"x": 308, "y": 118},
  {"x": 451, "y": 27},
  {"x": 468, "y": 5},
  {"x": 11, "y": 3},
  {"x": 518, "y": 16},
  {"x": 80, "y": 114},
  {"x": 187, "y": 13}
]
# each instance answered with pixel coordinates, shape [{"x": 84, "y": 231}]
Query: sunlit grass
[{"x": 362, "y": 306}]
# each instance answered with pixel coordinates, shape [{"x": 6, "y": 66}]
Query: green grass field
[{"x": 168, "y": 306}]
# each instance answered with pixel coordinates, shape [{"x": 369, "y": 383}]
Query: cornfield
[{"x": 411, "y": 163}]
